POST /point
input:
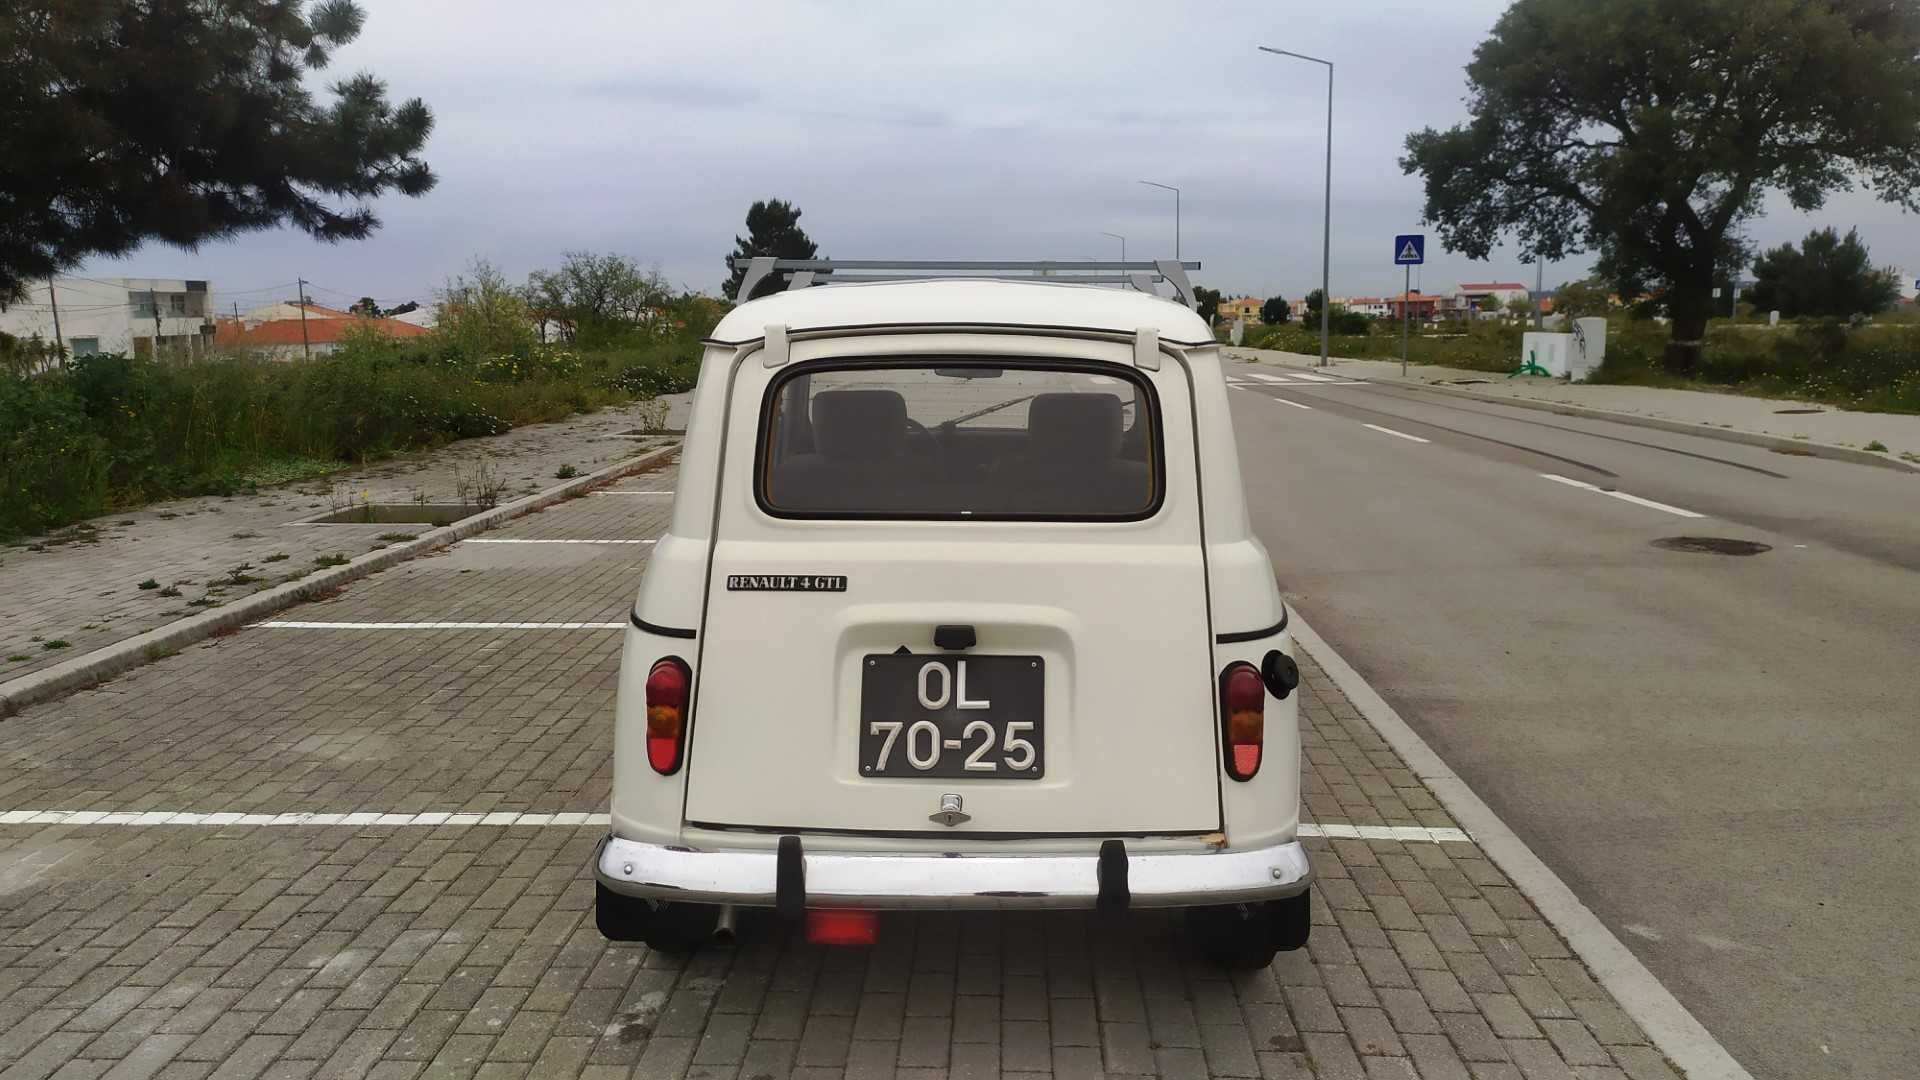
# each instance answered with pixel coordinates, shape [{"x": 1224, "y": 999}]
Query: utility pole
[
  {"x": 1326, "y": 209},
  {"x": 1406, "y": 312},
  {"x": 59, "y": 342},
  {"x": 153, "y": 298},
  {"x": 1539, "y": 286},
  {"x": 306, "y": 348},
  {"x": 1176, "y": 211}
]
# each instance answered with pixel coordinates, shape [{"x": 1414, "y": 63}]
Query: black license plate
[{"x": 957, "y": 717}]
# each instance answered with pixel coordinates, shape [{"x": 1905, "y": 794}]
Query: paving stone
[
  {"x": 469, "y": 952},
  {"x": 1371, "y": 1032}
]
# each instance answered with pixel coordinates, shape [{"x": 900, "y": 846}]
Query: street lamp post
[
  {"x": 1176, "y": 211},
  {"x": 1326, "y": 221},
  {"x": 1123, "y": 243}
]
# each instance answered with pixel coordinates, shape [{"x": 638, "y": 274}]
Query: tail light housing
[
  {"x": 1243, "y": 719},
  {"x": 669, "y": 685}
]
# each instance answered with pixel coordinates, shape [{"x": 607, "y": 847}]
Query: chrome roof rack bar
[{"x": 1140, "y": 274}]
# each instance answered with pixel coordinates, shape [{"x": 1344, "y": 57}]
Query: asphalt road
[{"x": 1719, "y": 753}]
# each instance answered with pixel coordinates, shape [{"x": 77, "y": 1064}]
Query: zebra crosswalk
[{"x": 1243, "y": 377}]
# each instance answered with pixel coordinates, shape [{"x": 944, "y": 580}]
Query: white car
[{"x": 959, "y": 608}]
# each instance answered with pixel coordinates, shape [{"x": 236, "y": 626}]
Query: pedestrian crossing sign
[{"x": 1410, "y": 249}]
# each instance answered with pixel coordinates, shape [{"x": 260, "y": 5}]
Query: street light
[
  {"x": 1176, "y": 212},
  {"x": 1123, "y": 244},
  {"x": 1326, "y": 221}
]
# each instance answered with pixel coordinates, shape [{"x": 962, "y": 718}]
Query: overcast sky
[{"x": 924, "y": 130}]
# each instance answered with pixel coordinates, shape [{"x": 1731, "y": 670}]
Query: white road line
[
  {"x": 1264, "y": 377},
  {"x": 1672, "y": 1028},
  {"x": 1386, "y": 832},
  {"x": 1622, "y": 496},
  {"x": 1295, "y": 404},
  {"x": 1311, "y": 377},
  {"x": 431, "y": 818},
  {"x": 1396, "y": 434},
  {"x": 301, "y": 624},
  {"x": 435, "y": 818},
  {"x": 625, "y": 492},
  {"x": 512, "y": 540}
]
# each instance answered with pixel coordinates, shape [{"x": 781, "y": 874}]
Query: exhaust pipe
[{"x": 723, "y": 928}]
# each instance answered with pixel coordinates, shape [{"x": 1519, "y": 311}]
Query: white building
[
  {"x": 116, "y": 315},
  {"x": 1908, "y": 284}
]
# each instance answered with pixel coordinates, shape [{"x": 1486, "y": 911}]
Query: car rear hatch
[{"x": 957, "y": 595}]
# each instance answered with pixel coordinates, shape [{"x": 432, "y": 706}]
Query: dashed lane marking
[
  {"x": 437, "y": 818},
  {"x": 303, "y": 624},
  {"x": 1396, "y": 434},
  {"x": 1622, "y": 496},
  {"x": 1295, "y": 404}
]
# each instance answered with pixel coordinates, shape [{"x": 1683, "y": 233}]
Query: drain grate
[{"x": 1711, "y": 545}]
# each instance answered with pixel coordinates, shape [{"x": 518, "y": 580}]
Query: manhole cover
[
  {"x": 1797, "y": 412},
  {"x": 1711, "y": 545}
]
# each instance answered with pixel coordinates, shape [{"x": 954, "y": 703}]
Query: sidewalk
[
  {"x": 1900, "y": 434},
  {"x": 83, "y": 586}
]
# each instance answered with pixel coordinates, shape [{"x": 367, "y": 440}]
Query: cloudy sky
[{"x": 911, "y": 129}]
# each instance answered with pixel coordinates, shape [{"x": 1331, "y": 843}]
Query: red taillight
[
  {"x": 842, "y": 927},
  {"x": 667, "y": 689},
  {"x": 1243, "y": 718}
]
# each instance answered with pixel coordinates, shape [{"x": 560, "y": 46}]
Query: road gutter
[
  {"x": 1682, "y": 1038},
  {"x": 104, "y": 663}
]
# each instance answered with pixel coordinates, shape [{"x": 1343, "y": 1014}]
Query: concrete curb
[
  {"x": 1683, "y": 1039},
  {"x": 1681, "y": 427},
  {"x": 1734, "y": 435},
  {"x": 104, "y": 663}
]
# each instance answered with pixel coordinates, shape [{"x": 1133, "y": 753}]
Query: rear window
[{"x": 1019, "y": 440}]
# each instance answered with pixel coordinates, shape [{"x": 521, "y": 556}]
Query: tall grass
[{"x": 112, "y": 431}]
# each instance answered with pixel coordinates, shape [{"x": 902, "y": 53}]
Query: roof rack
[{"x": 801, "y": 273}]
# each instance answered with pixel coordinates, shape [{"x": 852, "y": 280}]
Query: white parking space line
[
  {"x": 435, "y": 818},
  {"x": 167, "y": 817},
  {"x": 1622, "y": 496},
  {"x": 302, "y": 624},
  {"x": 1396, "y": 434},
  {"x": 1385, "y": 832},
  {"x": 512, "y": 540}
]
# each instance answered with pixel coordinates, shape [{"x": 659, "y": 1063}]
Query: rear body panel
[{"x": 1112, "y": 614}]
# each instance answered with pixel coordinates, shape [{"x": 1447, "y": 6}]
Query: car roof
[{"x": 953, "y": 302}]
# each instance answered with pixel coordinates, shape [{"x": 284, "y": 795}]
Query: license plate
[{"x": 956, "y": 717}]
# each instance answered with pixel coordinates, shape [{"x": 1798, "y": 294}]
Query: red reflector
[
  {"x": 667, "y": 688},
  {"x": 842, "y": 927},
  {"x": 1243, "y": 718}
]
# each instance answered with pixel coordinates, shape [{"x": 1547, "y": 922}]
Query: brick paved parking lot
[{"x": 454, "y": 937}]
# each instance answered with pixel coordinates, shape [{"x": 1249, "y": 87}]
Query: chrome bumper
[{"x": 858, "y": 880}]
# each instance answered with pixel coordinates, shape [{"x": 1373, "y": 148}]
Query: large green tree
[
  {"x": 1827, "y": 275},
  {"x": 1649, "y": 130},
  {"x": 1208, "y": 303},
  {"x": 1275, "y": 311},
  {"x": 124, "y": 121},
  {"x": 773, "y": 228},
  {"x": 594, "y": 295}
]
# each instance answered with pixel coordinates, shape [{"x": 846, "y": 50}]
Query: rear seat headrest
[
  {"x": 860, "y": 425},
  {"x": 1078, "y": 427}
]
